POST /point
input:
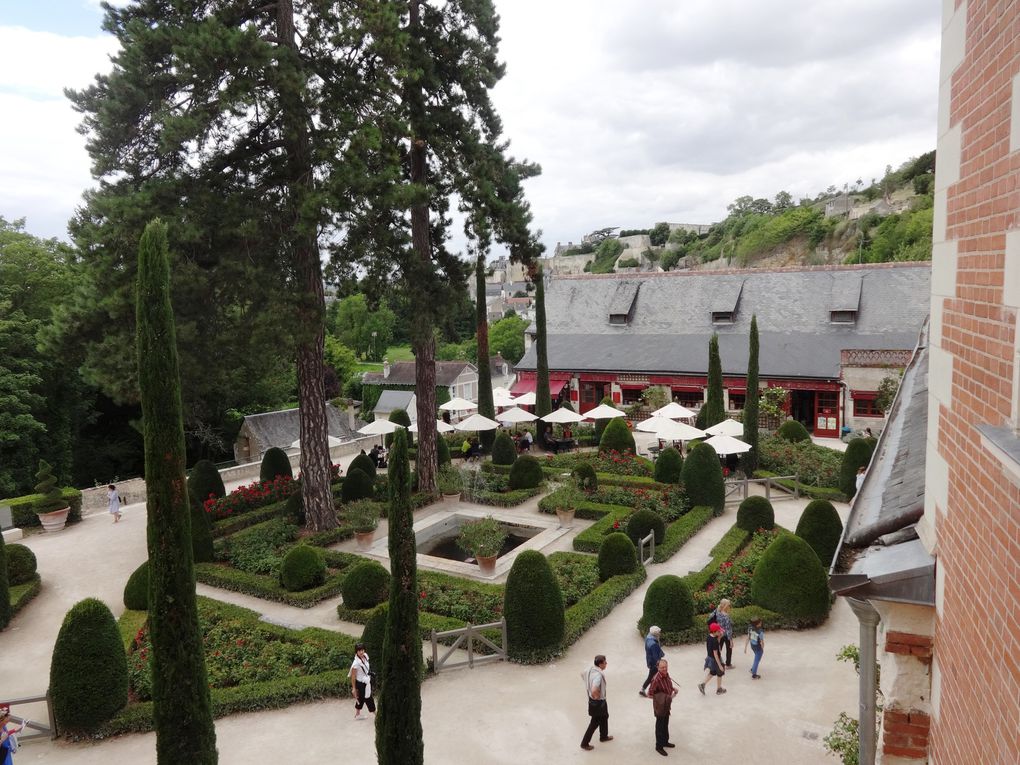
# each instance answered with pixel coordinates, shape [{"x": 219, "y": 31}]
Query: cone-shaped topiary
[
  {"x": 303, "y": 567},
  {"x": 703, "y": 478},
  {"x": 366, "y": 585},
  {"x": 204, "y": 481},
  {"x": 793, "y": 431},
  {"x": 600, "y": 425},
  {"x": 533, "y": 608},
  {"x": 363, "y": 463},
  {"x": 486, "y": 408},
  {"x": 756, "y": 513},
  {"x": 357, "y": 485},
  {"x": 857, "y": 455},
  {"x": 644, "y": 521},
  {"x": 136, "y": 591},
  {"x": 543, "y": 397},
  {"x": 21, "y": 564},
  {"x": 790, "y": 580},
  {"x": 585, "y": 477},
  {"x": 374, "y": 635},
  {"x": 820, "y": 527},
  {"x": 617, "y": 555},
  {"x": 52, "y": 497},
  {"x": 400, "y": 417},
  {"x": 503, "y": 450},
  {"x": 668, "y": 604},
  {"x": 275, "y": 462},
  {"x": 668, "y": 466},
  {"x": 443, "y": 451},
  {"x": 713, "y": 411},
  {"x": 5, "y": 592},
  {"x": 526, "y": 473},
  {"x": 88, "y": 671},
  {"x": 202, "y": 549},
  {"x": 617, "y": 437},
  {"x": 749, "y": 461}
]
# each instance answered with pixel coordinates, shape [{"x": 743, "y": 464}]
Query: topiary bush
[
  {"x": 702, "y": 477},
  {"x": 363, "y": 463},
  {"x": 442, "y": 453},
  {"x": 668, "y": 466},
  {"x": 6, "y": 611},
  {"x": 204, "y": 480},
  {"x": 820, "y": 527},
  {"x": 644, "y": 521},
  {"x": 585, "y": 477},
  {"x": 296, "y": 509},
  {"x": 793, "y": 431},
  {"x": 202, "y": 550},
  {"x": 400, "y": 417},
  {"x": 88, "y": 671},
  {"x": 357, "y": 485},
  {"x": 275, "y": 462},
  {"x": 526, "y": 473},
  {"x": 366, "y": 585},
  {"x": 857, "y": 455},
  {"x": 503, "y": 450},
  {"x": 668, "y": 604},
  {"x": 756, "y": 513},
  {"x": 533, "y": 608},
  {"x": 617, "y": 437},
  {"x": 21, "y": 564},
  {"x": 374, "y": 635},
  {"x": 303, "y": 567},
  {"x": 617, "y": 555},
  {"x": 136, "y": 591},
  {"x": 790, "y": 580}
]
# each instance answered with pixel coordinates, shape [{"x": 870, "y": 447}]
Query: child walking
[
  {"x": 114, "y": 502},
  {"x": 713, "y": 662},
  {"x": 756, "y": 639}
]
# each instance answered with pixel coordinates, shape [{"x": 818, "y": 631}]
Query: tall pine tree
[
  {"x": 182, "y": 709},
  {"x": 750, "y": 459},
  {"x": 713, "y": 410},
  {"x": 543, "y": 404}
]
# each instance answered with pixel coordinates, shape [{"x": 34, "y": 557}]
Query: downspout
[{"x": 869, "y": 619}]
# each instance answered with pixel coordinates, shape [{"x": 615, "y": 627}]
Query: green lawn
[{"x": 393, "y": 353}]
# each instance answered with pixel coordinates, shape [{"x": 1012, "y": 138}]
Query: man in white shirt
[{"x": 598, "y": 709}]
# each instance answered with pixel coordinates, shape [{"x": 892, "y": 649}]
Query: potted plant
[
  {"x": 483, "y": 539},
  {"x": 363, "y": 515},
  {"x": 51, "y": 508},
  {"x": 448, "y": 481},
  {"x": 565, "y": 514}
]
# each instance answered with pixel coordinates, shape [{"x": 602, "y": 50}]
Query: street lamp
[{"x": 374, "y": 335}]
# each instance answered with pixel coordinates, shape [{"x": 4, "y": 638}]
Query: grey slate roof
[
  {"x": 671, "y": 323},
  {"x": 402, "y": 373},
  {"x": 391, "y": 400},
  {"x": 283, "y": 428}
]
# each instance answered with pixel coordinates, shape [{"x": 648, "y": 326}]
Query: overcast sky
[{"x": 638, "y": 112}]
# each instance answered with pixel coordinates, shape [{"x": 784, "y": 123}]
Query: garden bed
[
  {"x": 22, "y": 594},
  {"x": 815, "y": 492}
]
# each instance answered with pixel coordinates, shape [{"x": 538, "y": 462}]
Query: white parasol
[
  {"x": 331, "y": 441},
  {"x": 458, "y": 404},
  {"x": 673, "y": 411},
  {"x": 516, "y": 415},
  {"x": 502, "y": 397},
  {"x": 603, "y": 412},
  {"x": 441, "y": 427},
  {"x": 563, "y": 416},
  {"x": 671, "y": 430},
  {"x": 727, "y": 445},
  {"x": 525, "y": 399},
  {"x": 379, "y": 428},
  {"x": 476, "y": 422},
  {"x": 726, "y": 428}
]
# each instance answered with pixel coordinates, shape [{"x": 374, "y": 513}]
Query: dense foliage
[
  {"x": 204, "y": 481},
  {"x": 303, "y": 567},
  {"x": 275, "y": 463},
  {"x": 366, "y": 585},
  {"x": 703, "y": 478},
  {"x": 585, "y": 477},
  {"x": 669, "y": 465},
  {"x": 21, "y": 563},
  {"x": 644, "y": 521},
  {"x": 357, "y": 485},
  {"x": 617, "y": 555},
  {"x": 755, "y": 513},
  {"x": 526, "y": 473},
  {"x": 733, "y": 576},
  {"x": 749, "y": 461},
  {"x": 857, "y": 455},
  {"x": 533, "y": 608},
  {"x": 790, "y": 580},
  {"x": 5, "y": 592},
  {"x": 713, "y": 410},
  {"x": 244, "y": 499},
  {"x": 504, "y": 452},
  {"x": 821, "y": 527},
  {"x": 363, "y": 463},
  {"x": 136, "y": 591},
  {"x": 793, "y": 431},
  {"x": 617, "y": 438},
  {"x": 813, "y": 464},
  {"x": 668, "y": 604}
]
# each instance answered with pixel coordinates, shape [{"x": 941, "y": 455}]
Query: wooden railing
[
  {"x": 41, "y": 730},
  {"x": 737, "y": 488},
  {"x": 466, "y": 637}
]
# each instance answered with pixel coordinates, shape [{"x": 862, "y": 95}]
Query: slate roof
[
  {"x": 283, "y": 428},
  {"x": 402, "y": 373},
  {"x": 391, "y": 400},
  {"x": 671, "y": 321}
]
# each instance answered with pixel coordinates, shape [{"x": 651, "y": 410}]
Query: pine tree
[
  {"x": 398, "y": 732},
  {"x": 543, "y": 404},
  {"x": 485, "y": 406},
  {"x": 180, "y": 690},
  {"x": 713, "y": 411},
  {"x": 750, "y": 459}
]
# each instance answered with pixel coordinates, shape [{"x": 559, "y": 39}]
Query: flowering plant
[
  {"x": 243, "y": 499},
  {"x": 733, "y": 579}
]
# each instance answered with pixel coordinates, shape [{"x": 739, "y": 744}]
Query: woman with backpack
[
  {"x": 755, "y": 639},
  {"x": 361, "y": 682},
  {"x": 722, "y": 618}
]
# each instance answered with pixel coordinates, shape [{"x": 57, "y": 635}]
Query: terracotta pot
[
  {"x": 54, "y": 521},
  {"x": 566, "y": 516},
  {"x": 364, "y": 539},
  {"x": 486, "y": 563},
  {"x": 452, "y": 496}
]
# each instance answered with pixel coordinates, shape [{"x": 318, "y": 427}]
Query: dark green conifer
[
  {"x": 486, "y": 407},
  {"x": 713, "y": 411},
  {"x": 750, "y": 459},
  {"x": 543, "y": 404}
]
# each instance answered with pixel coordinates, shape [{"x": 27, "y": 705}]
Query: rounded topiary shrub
[
  {"x": 644, "y": 521},
  {"x": 703, "y": 478},
  {"x": 21, "y": 564},
  {"x": 88, "y": 671},
  {"x": 756, "y": 513},
  {"x": 363, "y": 463},
  {"x": 357, "y": 485},
  {"x": 790, "y": 580},
  {"x": 442, "y": 452},
  {"x": 400, "y": 417},
  {"x": 668, "y": 604},
  {"x": 794, "y": 431},
  {"x": 857, "y": 455},
  {"x": 526, "y": 473},
  {"x": 668, "y": 466},
  {"x": 617, "y": 555},
  {"x": 374, "y": 635},
  {"x": 136, "y": 591},
  {"x": 533, "y": 608},
  {"x": 366, "y": 585},
  {"x": 503, "y": 450},
  {"x": 204, "y": 479},
  {"x": 275, "y": 462},
  {"x": 202, "y": 549},
  {"x": 585, "y": 477},
  {"x": 617, "y": 437},
  {"x": 302, "y": 568},
  {"x": 820, "y": 527}
]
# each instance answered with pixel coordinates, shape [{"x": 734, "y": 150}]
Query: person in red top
[{"x": 661, "y": 691}]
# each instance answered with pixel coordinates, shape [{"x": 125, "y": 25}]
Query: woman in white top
[
  {"x": 114, "y": 500},
  {"x": 361, "y": 682}
]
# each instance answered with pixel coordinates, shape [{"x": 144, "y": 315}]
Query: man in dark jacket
[{"x": 653, "y": 652}]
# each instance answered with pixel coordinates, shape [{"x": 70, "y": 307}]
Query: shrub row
[
  {"x": 21, "y": 594},
  {"x": 265, "y": 587},
  {"x": 503, "y": 498},
  {"x": 680, "y": 531},
  {"x": 595, "y": 606},
  {"x": 590, "y": 540},
  {"x": 226, "y": 526},
  {"x": 23, "y": 508},
  {"x": 732, "y": 542},
  {"x": 607, "y": 479},
  {"x": 815, "y": 492}
]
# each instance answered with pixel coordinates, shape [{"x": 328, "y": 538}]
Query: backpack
[
  {"x": 712, "y": 616},
  {"x": 12, "y": 742}
]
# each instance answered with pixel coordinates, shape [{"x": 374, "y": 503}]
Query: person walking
[
  {"x": 8, "y": 740},
  {"x": 859, "y": 479},
  {"x": 653, "y": 652},
  {"x": 598, "y": 708},
  {"x": 756, "y": 639},
  {"x": 662, "y": 691},
  {"x": 114, "y": 502},
  {"x": 713, "y": 662},
  {"x": 722, "y": 618},
  {"x": 361, "y": 682}
]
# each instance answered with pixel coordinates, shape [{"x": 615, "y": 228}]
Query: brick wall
[{"x": 971, "y": 501}]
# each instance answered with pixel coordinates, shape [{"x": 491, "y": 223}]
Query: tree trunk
[{"x": 485, "y": 406}]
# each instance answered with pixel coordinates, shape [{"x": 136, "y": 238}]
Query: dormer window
[
  {"x": 844, "y": 298},
  {"x": 725, "y": 300},
  {"x": 621, "y": 309},
  {"x": 617, "y": 318},
  {"x": 843, "y": 317},
  {"x": 722, "y": 317}
]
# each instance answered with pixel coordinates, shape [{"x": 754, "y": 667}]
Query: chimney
[{"x": 385, "y": 368}]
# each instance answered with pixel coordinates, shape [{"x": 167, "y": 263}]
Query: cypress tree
[
  {"x": 398, "y": 733},
  {"x": 486, "y": 408},
  {"x": 750, "y": 458},
  {"x": 713, "y": 411},
  {"x": 182, "y": 710},
  {"x": 543, "y": 405},
  {"x": 5, "y": 593}
]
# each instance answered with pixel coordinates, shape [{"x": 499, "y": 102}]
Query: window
[
  {"x": 617, "y": 318},
  {"x": 588, "y": 393},
  {"x": 737, "y": 401},
  {"x": 722, "y": 317},
  {"x": 690, "y": 399},
  {"x": 864, "y": 404},
  {"x": 631, "y": 396},
  {"x": 843, "y": 317}
]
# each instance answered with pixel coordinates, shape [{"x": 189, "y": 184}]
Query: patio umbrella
[
  {"x": 673, "y": 411},
  {"x": 652, "y": 424},
  {"x": 379, "y": 428},
  {"x": 671, "y": 430},
  {"x": 727, "y": 445},
  {"x": 476, "y": 422},
  {"x": 603, "y": 412},
  {"x": 726, "y": 428},
  {"x": 458, "y": 404},
  {"x": 441, "y": 427},
  {"x": 525, "y": 399},
  {"x": 516, "y": 415},
  {"x": 330, "y": 440},
  {"x": 502, "y": 397},
  {"x": 562, "y": 416}
]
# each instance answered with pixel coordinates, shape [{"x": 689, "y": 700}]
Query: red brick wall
[{"x": 977, "y": 640}]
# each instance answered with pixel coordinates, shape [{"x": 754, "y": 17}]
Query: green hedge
[
  {"x": 680, "y": 531},
  {"x": 24, "y": 515},
  {"x": 607, "y": 479},
  {"x": 815, "y": 492},
  {"x": 503, "y": 498},
  {"x": 590, "y": 540},
  {"x": 265, "y": 587},
  {"x": 596, "y": 605},
  {"x": 226, "y": 526},
  {"x": 732, "y": 542},
  {"x": 21, "y": 594}
]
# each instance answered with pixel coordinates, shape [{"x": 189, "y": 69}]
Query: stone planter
[
  {"x": 566, "y": 516},
  {"x": 486, "y": 564},
  {"x": 364, "y": 539},
  {"x": 452, "y": 497},
  {"x": 54, "y": 521}
]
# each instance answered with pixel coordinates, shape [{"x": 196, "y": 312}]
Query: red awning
[
  {"x": 528, "y": 386},
  {"x": 555, "y": 386},
  {"x": 864, "y": 395},
  {"x": 688, "y": 388}
]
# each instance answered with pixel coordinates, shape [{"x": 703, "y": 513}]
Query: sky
[{"x": 638, "y": 112}]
